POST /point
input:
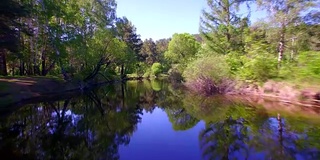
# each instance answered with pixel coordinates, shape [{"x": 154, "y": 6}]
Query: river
[{"x": 156, "y": 120}]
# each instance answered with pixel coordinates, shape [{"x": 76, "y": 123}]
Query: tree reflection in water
[
  {"x": 237, "y": 131},
  {"x": 94, "y": 125},
  {"x": 235, "y": 139},
  {"x": 79, "y": 128},
  {"x": 220, "y": 139}
]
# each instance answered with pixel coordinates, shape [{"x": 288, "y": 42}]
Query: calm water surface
[{"x": 158, "y": 121}]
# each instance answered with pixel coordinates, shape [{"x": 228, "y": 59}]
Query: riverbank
[
  {"x": 298, "y": 94},
  {"x": 16, "y": 90}
]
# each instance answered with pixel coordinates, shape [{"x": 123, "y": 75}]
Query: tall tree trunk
[
  {"x": 46, "y": 71},
  {"x": 13, "y": 70},
  {"x": 281, "y": 44},
  {"x": 43, "y": 64},
  {"x": 21, "y": 68},
  {"x": 3, "y": 62},
  {"x": 122, "y": 71}
]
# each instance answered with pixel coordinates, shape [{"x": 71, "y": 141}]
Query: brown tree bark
[
  {"x": 21, "y": 68},
  {"x": 122, "y": 72},
  {"x": 43, "y": 64}
]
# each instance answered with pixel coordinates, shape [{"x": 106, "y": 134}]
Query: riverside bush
[
  {"x": 308, "y": 66},
  {"x": 208, "y": 74},
  {"x": 214, "y": 67},
  {"x": 156, "y": 68},
  {"x": 260, "y": 67}
]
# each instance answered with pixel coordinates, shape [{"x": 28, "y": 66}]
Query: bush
[
  {"x": 287, "y": 69},
  {"x": 308, "y": 65},
  {"x": 214, "y": 67},
  {"x": 156, "y": 68},
  {"x": 148, "y": 73},
  {"x": 259, "y": 68},
  {"x": 208, "y": 75},
  {"x": 235, "y": 61},
  {"x": 141, "y": 68},
  {"x": 175, "y": 76}
]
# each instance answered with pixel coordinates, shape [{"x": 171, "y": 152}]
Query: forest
[
  {"x": 207, "y": 90},
  {"x": 84, "y": 40}
]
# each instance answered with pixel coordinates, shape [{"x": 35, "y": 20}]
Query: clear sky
[{"x": 158, "y": 19}]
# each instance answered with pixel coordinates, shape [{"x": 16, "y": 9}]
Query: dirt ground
[{"x": 18, "y": 89}]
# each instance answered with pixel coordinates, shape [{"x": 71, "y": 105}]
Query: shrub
[
  {"x": 287, "y": 69},
  {"x": 214, "y": 67},
  {"x": 235, "y": 61},
  {"x": 175, "y": 76},
  {"x": 208, "y": 75},
  {"x": 156, "y": 68},
  {"x": 148, "y": 73},
  {"x": 141, "y": 68},
  {"x": 308, "y": 65},
  {"x": 259, "y": 67}
]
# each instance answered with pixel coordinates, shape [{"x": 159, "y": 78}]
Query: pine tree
[
  {"x": 284, "y": 13},
  {"x": 220, "y": 26}
]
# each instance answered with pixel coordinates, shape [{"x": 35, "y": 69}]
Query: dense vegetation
[{"x": 84, "y": 39}]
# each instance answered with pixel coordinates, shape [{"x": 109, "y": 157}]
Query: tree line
[
  {"x": 83, "y": 38},
  {"x": 282, "y": 46},
  {"x": 41, "y": 37}
]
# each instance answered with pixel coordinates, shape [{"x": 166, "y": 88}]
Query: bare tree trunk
[
  {"x": 13, "y": 70},
  {"x": 3, "y": 62},
  {"x": 43, "y": 64},
  {"x": 22, "y": 47},
  {"x": 281, "y": 44},
  {"x": 122, "y": 71},
  {"x": 46, "y": 71},
  {"x": 21, "y": 68},
  {"x": 35, "y": 58}
]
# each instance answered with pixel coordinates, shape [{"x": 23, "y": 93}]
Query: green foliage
[
  {"x": 156, "y": 68},
  {"x": 156, "y": 85},
  {"x": 214, "y": 67},
  {"x": 141, "y": 68},
  {"x": 148, "y": 52},
  {"x": 182, "y": 48},
  {"x": 127, "y": 32},
  {"x": 287, "y": 70},
  {"x": 175, "y": 75},
  {"x": 235, "y": 62},
  {"x": 147, "y": 73},
  {"x": 222, "y": 27},
  {"x": 162, "y": 45},
  {"x": 308, "y": 65},
  {"x": 259, "y": 68}
]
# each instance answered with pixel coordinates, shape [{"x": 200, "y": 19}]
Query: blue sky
[{"x": 158, "y": 19}]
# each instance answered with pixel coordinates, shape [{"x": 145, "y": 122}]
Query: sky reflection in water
[{"x": 156, "y": 120}]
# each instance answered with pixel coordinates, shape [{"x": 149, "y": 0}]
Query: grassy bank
[{"x": 259, "y": 75}]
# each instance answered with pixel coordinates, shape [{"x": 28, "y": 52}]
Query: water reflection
[
  {"x": 81, "y": 128},
  {"x": 97, "y": 124}
]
